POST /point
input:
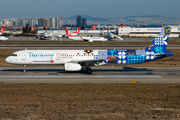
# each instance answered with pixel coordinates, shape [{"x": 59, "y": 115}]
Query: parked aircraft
[
  {"x": 88, "y": 39},
  {"x": 76, "y": 60},
  {"x": 54, "y": 35},
  {"x": 111, "y": 35},
  {"x": 2, "y": 30}
]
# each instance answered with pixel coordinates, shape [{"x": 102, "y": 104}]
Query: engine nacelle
[
  {"x": 72, "y": 67},
  {"x": 90, "y": 40}
]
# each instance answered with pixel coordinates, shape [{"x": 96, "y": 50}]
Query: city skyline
[{"x": 95, "y": 8}]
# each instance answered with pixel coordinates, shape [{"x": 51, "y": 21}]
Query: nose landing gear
[{"x": 24, "y": 70}]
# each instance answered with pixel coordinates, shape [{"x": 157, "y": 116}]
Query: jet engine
[
  {"x": 90, "y": 40},
  {"x": 72, "y": 67}
]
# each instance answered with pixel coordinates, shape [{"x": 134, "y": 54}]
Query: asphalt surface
[{"x": 105, "y": 74}]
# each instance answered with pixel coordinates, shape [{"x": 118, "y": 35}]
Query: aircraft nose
[{"x": 8, "y": 60}]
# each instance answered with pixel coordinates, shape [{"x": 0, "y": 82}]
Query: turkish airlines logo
[
  {"x": 69, "y": 33},
  {"x": 51, "y": 61}
]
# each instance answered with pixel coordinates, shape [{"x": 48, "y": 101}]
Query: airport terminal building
[
  {"x": 146, "y": 32},
  {"x": 120, "y": 31}
]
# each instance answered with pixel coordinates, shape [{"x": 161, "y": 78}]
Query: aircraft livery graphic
[{"x": 76, "y": 60}]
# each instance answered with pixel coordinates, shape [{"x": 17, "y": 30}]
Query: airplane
[
  {"x": 2, "y": 30},
  {"x": 94, "y": 27},
  {"x": 3, "y": 38},
  {"x": 77, "y": 60},
  {"x": 46, "y": 35},
  {"x": 111, "y": 35},
  {"x": 86, "y": 39}
]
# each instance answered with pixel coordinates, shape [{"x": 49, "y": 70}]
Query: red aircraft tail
[
  {"x": 68, "y": 34},
  {"x": 46, "y": 27},
  {"x": 32, "y": 28},
  {"x": 2, "y": 30},
  {"x": 77, "y": 31},
  {"x": 94, "y": 27}
]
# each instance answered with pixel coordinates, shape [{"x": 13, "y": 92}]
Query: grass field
[{"x": 90, "y": 101}]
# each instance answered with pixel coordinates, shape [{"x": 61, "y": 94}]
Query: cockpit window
[{"x": 14, "y": 55}]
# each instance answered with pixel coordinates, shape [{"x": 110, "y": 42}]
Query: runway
[{"x": 100, "y": 75}]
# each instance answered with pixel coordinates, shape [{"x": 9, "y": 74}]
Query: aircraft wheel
[
  {"x": 89, "y": 71},
  {"x": 24, "y": 70}
]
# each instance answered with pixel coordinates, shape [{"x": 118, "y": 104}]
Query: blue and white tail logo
[{"x": 159, "y": 44}]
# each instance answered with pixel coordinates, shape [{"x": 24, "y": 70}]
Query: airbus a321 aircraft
[{"x": 76, "y": 60}]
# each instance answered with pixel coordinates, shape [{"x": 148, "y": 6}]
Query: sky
[{"x": 95, "y": 8}]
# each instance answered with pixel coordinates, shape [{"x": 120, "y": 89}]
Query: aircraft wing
[
  {"x": 53, "y": 37},
  {"x": 118, "y": 37},
  {"x": 88, "y": 62}
]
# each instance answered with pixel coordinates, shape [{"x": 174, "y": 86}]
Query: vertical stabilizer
[
  {"x": 159, "y": 44},
  {"x": 94, "y": 27},
  {"x": 68, "y": 34},
  {"x": 77, "y": 31},
  {"x": 2, "y": 30}
]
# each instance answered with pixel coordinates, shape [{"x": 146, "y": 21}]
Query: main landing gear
[
  {"x": 24, "y": 70},
  {"x": 88, "y": 70}
]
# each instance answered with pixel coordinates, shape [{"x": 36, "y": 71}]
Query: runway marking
[
  {"x": 133, "y": 81},
  {"x": 83, "y": 76}
]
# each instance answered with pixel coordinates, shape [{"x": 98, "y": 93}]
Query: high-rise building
[
  {"x": 41, "y": 22},
  {"x": 57, "y": 22},
  {"x": 61, "y": 22},
  {"x": 53, "y": 23},
  {"x": 78, "y": 21},
  {"x": 84, "y": 22}
]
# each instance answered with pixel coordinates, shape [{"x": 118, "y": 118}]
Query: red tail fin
[
  {"x": 46, "y": 27},
  {"x": 68, "y": 34},
  {"x": 94, "y": 27},
  {"x": 77, "y": 31},
  {"x": 121, "y": 25},
  {"x": 32, "y": 28},
  {"x": 2, "y": 30}
]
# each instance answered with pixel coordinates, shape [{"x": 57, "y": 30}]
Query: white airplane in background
[
  {"x": 3, "y": 38},
  {"x": 2, "y": 30},
  {"x": 111, "y": 35},
  {"x": 87, "y": 39},
  {"x": 76, "y": 60}
]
